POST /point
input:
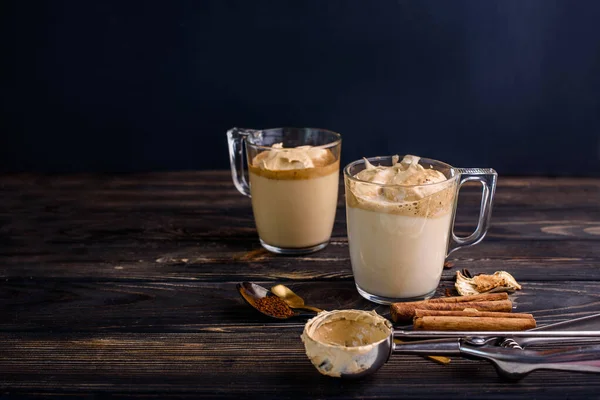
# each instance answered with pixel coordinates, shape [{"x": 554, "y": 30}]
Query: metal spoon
[
  {"x": 509, "y": 363},
  {"x": 295, "y": 301},
  {"x": 291, "y": 298},
  {"x": 251, "y": 292}
]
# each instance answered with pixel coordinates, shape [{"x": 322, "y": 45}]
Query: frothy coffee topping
[
  {"x": 302, "y": 157},
  {"x": 303, "y": 162},
  {"x": 350, "y": 332},
  {"x": 406, "y": 188},
  {"x": 406, "y": 172},
  {"x": 345, "y": 341}
]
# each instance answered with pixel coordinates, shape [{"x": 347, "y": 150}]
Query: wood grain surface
[{"x": 124, "y": 285}]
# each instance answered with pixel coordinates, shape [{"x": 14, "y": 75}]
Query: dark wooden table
[{"x": 125, "y": 285}]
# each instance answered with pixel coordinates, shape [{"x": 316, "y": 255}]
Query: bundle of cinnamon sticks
[{"x": 482, "y": 312}]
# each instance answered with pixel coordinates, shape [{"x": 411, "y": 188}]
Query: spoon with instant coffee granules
[{"x": 267, "y": 302}]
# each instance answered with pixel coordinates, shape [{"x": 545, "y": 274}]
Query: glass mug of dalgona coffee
[
  {"x": 400, "y": 216},
  {"x": 293, "y": 183}
]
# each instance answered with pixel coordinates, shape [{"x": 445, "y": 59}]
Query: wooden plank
[
  {"x": 188, "y": 201},
  {"x": 71, "y": 306},
  {"x": 238, "y": 363},
  {"x": 204, "y": 188},
  {"x": 33, "y": 236},
  {"x": 48, "y": 219},
  {"x": 245, "y": 260},
  {"x": 40, "y": 223},
  {"x": 256, "y": 268},
  {"x": 191, "y": 178}
]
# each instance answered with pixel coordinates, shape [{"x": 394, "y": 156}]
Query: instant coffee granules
[{"x": 274, "y": 306}]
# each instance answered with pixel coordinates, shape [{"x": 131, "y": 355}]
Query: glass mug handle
[
  {"x": 236, "y": 139},
  {"x": 487, "y": 177}
]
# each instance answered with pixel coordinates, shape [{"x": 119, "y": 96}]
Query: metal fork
[{"x": 515, "y": 365}]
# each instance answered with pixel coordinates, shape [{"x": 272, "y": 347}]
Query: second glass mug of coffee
[
  {"x": 294, "y": 209},
  {"x": 399, "y": 242}
]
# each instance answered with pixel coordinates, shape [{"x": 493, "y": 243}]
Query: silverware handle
[
  {"x": 486, "y": 334},
  {"x": 433, "y": 347},
  {"x": 315, "y": 309},
  {"x": 516, "y": 364},
  {"x": 579, "y": 341},
  {"x": 583, "y": 359}
]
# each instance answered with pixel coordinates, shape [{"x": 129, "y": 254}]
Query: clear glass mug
[
  {"x": 294, "y": 209},
  {"x": 398, "y": 249}
]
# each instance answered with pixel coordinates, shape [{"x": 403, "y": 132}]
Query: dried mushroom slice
[{"x": 500, "y": 281}]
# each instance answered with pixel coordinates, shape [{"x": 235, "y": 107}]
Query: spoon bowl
[
  {"x": 291, "y": 298},
  {"x": 253, "y": 293}
]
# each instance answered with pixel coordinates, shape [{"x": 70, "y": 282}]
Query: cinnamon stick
[
  {"x": 452, "y": 323},
  {"x": 467, "y": 313},
  {"x": 406, "y": 311},
  {"x": 468, "y": 298}
]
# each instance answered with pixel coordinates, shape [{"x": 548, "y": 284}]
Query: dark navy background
[{"x": 153, "y": 85}]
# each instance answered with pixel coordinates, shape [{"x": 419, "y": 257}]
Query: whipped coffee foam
[
  {"x": 406, "y": 172},
  {"x": 302, "y": 157},
  {"x": 405, "y": 188}
]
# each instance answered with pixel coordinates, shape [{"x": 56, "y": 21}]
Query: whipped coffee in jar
[
  {"x": 294, "y": 179},
  {"x": 400, "y": 216},
  {"x": 294, "y": 195}
]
